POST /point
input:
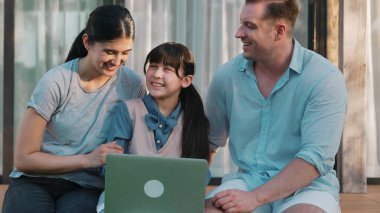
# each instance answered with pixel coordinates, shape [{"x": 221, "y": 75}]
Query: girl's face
[
  {"x": 163, "y": 83},
  {"x": 107, "y": 57}
]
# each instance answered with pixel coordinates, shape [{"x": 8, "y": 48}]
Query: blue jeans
[{"x": 45, "y": 195}]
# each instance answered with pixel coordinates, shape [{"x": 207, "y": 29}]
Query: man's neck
[{"x": 279, "y": 62}]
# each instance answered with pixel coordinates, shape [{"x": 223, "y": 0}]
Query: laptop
[{"x": 141, "y": 184}]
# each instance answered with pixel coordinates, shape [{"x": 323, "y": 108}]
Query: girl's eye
[{"x": 169, "y": 69}]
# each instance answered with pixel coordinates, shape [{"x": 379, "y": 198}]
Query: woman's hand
[
  {"x": 98, "y": 157},
  {"x": 30, "y": 159}
]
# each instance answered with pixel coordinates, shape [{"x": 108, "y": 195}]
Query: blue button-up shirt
[{"x": 302, "y": 118}]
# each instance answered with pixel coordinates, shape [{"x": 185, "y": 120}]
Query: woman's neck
[{"x": 90, "y": 78}]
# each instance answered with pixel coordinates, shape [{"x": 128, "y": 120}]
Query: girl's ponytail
[{"x": 195, "y": 143}]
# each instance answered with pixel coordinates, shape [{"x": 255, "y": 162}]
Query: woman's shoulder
[
  {"x": 129, "y": 74},
  {"x": 64, "y": 70}
]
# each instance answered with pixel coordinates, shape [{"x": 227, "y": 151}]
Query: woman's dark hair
[
  {"x": 105, "y": 23},
  {"x": 194, "y": 139}
]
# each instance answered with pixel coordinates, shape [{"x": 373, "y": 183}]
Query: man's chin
[{"x": 247, "y": 56}]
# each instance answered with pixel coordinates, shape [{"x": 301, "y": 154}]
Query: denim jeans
[{"x": 45, "y": 195}]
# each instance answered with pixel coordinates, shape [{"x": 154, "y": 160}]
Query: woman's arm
[{"x": 30, "y": 159}]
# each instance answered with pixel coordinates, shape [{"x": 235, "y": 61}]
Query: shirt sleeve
[
  {"x": 48, "y": 93},
  {"x": 216, "y": 112},
  {"x": 120, "y": 129},
  {"x": 322, "y": 123}
]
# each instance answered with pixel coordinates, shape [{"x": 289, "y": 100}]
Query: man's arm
[
  {"x": 321, "y": 130},
  {"x": 296, "y": 175}
]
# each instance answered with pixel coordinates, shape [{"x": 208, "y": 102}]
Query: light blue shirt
[{"x": 302, "y": 118}]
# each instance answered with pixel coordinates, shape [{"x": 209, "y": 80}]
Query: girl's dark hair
[
  {"x": 105, "y": 23},
  {"x": 194, "y": 139}
]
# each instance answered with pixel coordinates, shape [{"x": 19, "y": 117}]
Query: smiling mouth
[
  {"x": 110, "y": 66},
  {"x": 246, "y": 43},
  {"x": 157, "y": 84}
]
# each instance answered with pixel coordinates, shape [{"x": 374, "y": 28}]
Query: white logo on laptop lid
[{"x": 154, "y": 188}]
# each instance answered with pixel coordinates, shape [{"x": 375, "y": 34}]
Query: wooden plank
[
  {"x": 333, "y": 20},
  {"x": 333, "y": 44},
  {"x": 353, "y": 147}
]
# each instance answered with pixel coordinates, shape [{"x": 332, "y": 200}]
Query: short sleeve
[
  {"x": 121, "y": 127},
  {"x": 47, "y": 95}
]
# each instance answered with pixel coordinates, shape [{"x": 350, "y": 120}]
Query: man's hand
[{"x": 233, "y": 200}]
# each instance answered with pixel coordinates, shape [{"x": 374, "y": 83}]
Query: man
[{"x": 282, "y": 108}]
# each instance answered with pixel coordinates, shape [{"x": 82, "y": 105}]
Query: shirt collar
[
  {"x": 295, "y": 64},
  {"x": 154, "y": 110}
]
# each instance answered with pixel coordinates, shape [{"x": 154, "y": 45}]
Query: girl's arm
[{"x": 30, "y": 159}]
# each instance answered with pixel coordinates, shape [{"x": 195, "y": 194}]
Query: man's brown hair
[{"x": 276, "y": 9}]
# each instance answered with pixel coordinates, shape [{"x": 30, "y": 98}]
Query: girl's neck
[{"x": 166, "y": 106}]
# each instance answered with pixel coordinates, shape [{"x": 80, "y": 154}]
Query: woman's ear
[
  {"x": 186, "y": 81},
  {"x": 85, "y": 41}
]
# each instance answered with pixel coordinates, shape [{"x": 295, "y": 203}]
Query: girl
[
  {"x": 170, "y": 121},
  {"x": 58, "y": 149}
]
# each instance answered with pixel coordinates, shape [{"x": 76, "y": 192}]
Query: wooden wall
[{"x": 346, "y": 48}]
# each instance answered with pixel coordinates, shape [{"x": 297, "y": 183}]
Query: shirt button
[
  {"x": 160, "y": 126},
  {"x": 158, "y": 141}
]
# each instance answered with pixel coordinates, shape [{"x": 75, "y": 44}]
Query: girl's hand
[{"x": 98, "y": 157}]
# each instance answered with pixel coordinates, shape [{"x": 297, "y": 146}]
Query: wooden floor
[
  {"x": 350, "y": 203},
  {"x": 362, "y": 203}
]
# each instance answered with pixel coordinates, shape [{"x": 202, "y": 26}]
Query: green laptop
[{"x": 141, "y": 184}]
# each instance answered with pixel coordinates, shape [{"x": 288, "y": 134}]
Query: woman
[{"x": 61, "y": 140}]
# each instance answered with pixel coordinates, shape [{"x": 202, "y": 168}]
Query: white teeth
[
  {"x": 110, "y": 65},
  {"x": 157, "y": 84}
]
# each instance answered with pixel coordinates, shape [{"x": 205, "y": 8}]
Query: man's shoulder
[
  {"x": 238, "y": 63},
  {"x": 316, "y": 61}
]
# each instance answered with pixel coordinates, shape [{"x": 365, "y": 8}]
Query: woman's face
[{"x": 107, "y": 57}]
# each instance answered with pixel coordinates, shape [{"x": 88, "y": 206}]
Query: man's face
[{"x": 256, "y": 33}]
